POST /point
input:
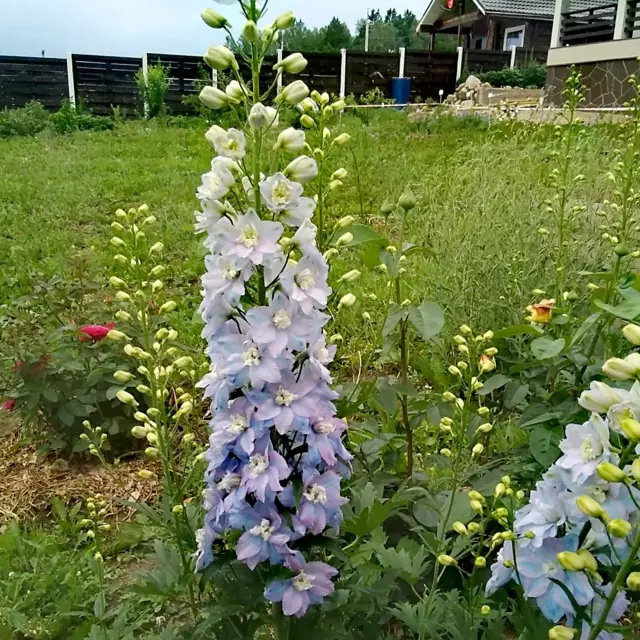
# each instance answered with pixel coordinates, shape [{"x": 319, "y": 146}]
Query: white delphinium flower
[
  {"x": 262, "y": 117},
  {"x": 601, "y": 397},
  {"x": 280, "y": 193},
  {"x": 228, "y": 144},
  {"x": 215, "y": 184},
  {"x": 291, "y": 140},
  {"x": 302, "y": 169}
]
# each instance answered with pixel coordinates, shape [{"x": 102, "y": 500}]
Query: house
[
  {"x": 603, "y": 42},
  {"x": 493, "y": 25}
]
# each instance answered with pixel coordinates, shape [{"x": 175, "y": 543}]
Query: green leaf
[
  {"x": 517, "y": 330},
  {"x": 371, "y": 255},
  {"x": 428, "y": 320},
  {"x": 112, "y": 392},
  {"x": 627, "y": 310},
  {"x": 585, "y": 328},
  {"x": 545, "y": 347},
  {"x": 514, "y": 394},
  {"x": 363, "y": 233},
  {"x": 393, "y": 319},
  {"x": 50, "y": 394},
  {"x": 544, "y": 446},
  {"x": 493, "y": 383}
]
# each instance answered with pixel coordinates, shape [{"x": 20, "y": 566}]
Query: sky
[{"x": 133, "y": 27}]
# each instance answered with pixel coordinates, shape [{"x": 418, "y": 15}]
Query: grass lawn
[{"x": 480, "y": 191}]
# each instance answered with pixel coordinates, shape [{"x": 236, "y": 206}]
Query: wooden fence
[
  {"x": 102, "y": 83},
  {"x": 25, "y": 79}
]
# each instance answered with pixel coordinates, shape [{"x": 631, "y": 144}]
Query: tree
[{"x": 337, "y": 36}]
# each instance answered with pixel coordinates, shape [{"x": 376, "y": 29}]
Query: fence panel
[
  {"x": 430, "y": 72},
  {"x": 26, "y": 79},
  {"x": 103, "y": 82},
  {"x": 367, "y": 71},
  {"x": 322, "y": 73},
  {"x": 478, "y": 61},
  {"x": 187, "y": 75},
  {"x": 525, "y": 57}
]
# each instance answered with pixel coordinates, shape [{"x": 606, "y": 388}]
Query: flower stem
[
  {"x": 617, "y": 584},
  {"x": 280, "y": 627}
]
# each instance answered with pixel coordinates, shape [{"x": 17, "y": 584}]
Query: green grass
[{"x": 480, "y": 192}]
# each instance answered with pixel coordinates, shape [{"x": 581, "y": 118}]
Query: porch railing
[
  {"x": 632, "y": 23},
  {"x": 584, "y": 26}
]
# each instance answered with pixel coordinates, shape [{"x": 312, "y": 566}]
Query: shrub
[
  {"x": 26, "y": 121},
  {"x": 532, "y": 76},
  {"x": 72, "y": 118},
  {"x": 152, "y": 90}
]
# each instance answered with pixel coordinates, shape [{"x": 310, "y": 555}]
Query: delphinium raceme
[
  {"x": 276, "y": 457},
  {"x": 577, "y": 541}
]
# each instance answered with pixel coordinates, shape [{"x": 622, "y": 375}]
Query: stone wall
[{"x": 606, "y": 83}]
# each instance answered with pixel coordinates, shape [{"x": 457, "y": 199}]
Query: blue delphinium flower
[{"x": 276, "y": 456}]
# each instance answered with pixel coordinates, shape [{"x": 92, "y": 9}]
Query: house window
[
  {"x": 514, "y": 36},
  {"x": 479, "y": 43}
]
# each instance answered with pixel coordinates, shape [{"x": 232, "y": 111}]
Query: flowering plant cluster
[
  {"x": 576, "y": 543},
  {"x": 275, "y": 457}
]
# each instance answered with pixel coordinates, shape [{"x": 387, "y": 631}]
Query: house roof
[{"x": 536, "y": 9}]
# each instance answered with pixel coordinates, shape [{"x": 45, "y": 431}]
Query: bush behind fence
[{"x": 102, "y": 83}]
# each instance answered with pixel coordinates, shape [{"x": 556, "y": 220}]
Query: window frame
[{"x": 509, "y": 31}]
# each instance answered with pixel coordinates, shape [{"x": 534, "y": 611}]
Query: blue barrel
[{"x": 401, "y": 90}]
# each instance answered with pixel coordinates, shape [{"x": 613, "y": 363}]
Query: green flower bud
[
  {"x": 407, "y": 200},
  {"x": 250, "y": 31},
  {"x": 214, "y": 19},
  {"x": 480, "y": 562},
  {"x": 126, "y": 398},
  {"x": 485, "y": 610},
  {"x": 145, "y": 474},
  {"x": 447, "y": 561},
  {"x": 631, "y": 429},
  {"x": 459, "y": 528},
  {"x": 122, "y": 376},
  {"x": 632, "y": 333},
  {"x": 570, "y": 561},
  {"x": 611, "y": 473},
  {"x": 285, "y": 20},
  {"x": 633, "y": 581},
  {"x": 591, "y": 508},
  {"x": 139, "y": 432},
  {"x": 619, "y": 528},
  {"x": 590, "y": 563},
  {"x": 562, "y": 633}
]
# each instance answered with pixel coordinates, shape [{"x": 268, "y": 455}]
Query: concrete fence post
[
  {"x": 343, "y": 73},
  {"x": 71, "y": 80},
  {"x": 460, "y": 61},
  {"x": 621, "y": 19},
  {"x": 562, "y": 6},
  {"x": 145, "y": 73},
  {"x": 514, "y": 49},
  {"x": 280, "y": 52},
  {"x": 403, "y": 55}
]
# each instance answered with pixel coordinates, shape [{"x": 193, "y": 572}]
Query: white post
[
  {"x": 72, "y": 84},
  {"x": 280, "y": 72},
  {"x": 513, "y": 56},
  {"x": 459, "y": 67},
  {"x": 145, "y": 73},
  {"x": 562, "y": 6},
  {"x": 366, "y": 33},
  {"x": 403, "y": 54},
  {"x": 621, "y": 18},
  {"x": 343, "y": 73}
]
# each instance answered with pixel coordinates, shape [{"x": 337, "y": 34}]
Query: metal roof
[{"x": 536, "y": 9}]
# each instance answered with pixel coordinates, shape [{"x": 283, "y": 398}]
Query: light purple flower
[
  {"x": 585, "y": 447},
  {"x": 289, "y": 400},
  {"x": 244, "y": 362},
  {"x": 298, "y": 212},
  {"x": 320, "y": 355},
  {"x": 306, "y": 283},
  {"x": 226, "y": 276},
  {"x": 265, "y": 470},
  {"x": 248, "y": 238},
  {"x": 311, "y": 584},
  {"x": 265, "y": 537},
  {"x": 321, "y": 502}
]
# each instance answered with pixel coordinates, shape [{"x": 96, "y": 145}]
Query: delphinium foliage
[
  {"x": 577, "y": 541},
  {"x": 276, "y": 457}
]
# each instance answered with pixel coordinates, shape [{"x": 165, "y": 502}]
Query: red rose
[
  {"x": 95, "y": 332},
  {"x": 8, "y": 405}
]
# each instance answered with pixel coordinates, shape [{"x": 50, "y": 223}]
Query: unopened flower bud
[
  {"x": 307, "y": 121},
  {"x": 484, "y": 411},
  {"x": 448, "y": 396},
  {"x": 633, "y": 581},
  {"x": 116, "y": 282},
  {"x": 139, "y": 432},
  {"x": 122, "y": 376},
  {"x": 611, "y": 473},
  {"x": 590, "y": 563},
  {"x": 347, "y": 301},
  {"x": 477, "y": 506},
  {"x": 591, "y": 508},
  {"x": 350, "y": 276},
  {"x": 342, "y": 140},
  {"x": 454, "y": 371},
  {"x": 477, "y": 449},
  {"x": 123, "y": 316},
  {"x": 117, "y": 242},
  {"x": 631, "y": 428},
  {"x": 407, "y": 200},
  {"x": 446, "y": 453},
  {"x": 122, "y": 296},
  {"x": 570, "y": 561},
  {"x": 126, "y": 398},
  {"x": 151, "y": 452},
  {"x": 158, "y": 247},
  {"x": 447, "y": 561},
  {"x": 485, "y": 610},
  {"x": 619, "y": 528},
  {"x": 500, "y": 490},
  {"x": 344, "y": 240},
  {"x": 459, "y": 528},
  {"x": 214, "y": 19},
  {"x": 480, "y": 562},
  {"x": 294, "y": 63},
  {"x": 619, "y": 369},
  {"x": 250, "y": 31},
  {"x": 562, "y": 633},
  {"x": 145, "y": 474},
  {"x": 168, "y": 307}
]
